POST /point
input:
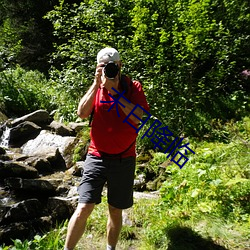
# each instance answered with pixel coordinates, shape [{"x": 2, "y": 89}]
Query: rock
[
  {"x": 49, "y": 153},
  {"x": 3, "y": 210},
  {"x": 150, "y": 195},
  {"x": 39, "y": 117},
  {"x": 42, "y": 165},
  {"x": 61, "y": 129},
  {"x": 60, "y": 208},
  {"x": 4, "y": 158},
  {"x": 55, "y": 159},
  {"x": 23, "y": 132},
  {"x": 23, "y": 211},
  {"x": 18, "y": 230},
  {"x": 2, "y": 151},
  {"x": 76, "y": 170},
  {"x": 125, "y": 219},
  {"x": 73, "y": 192},
  {"x": 140, "y": 182},
  {"x": 78, "y": 126},
  {"x": 15, "y": 155},
  {"x": 3, "y": 118},
  {"x": 16, "y": 169},
  {"x": 44, "y": 223},
  {"x": 47, "y": 141},
  {"x": 62, "y": 190},
  {"x": 35, "y": 187}
]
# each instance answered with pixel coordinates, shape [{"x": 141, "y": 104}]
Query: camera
[{"x": 111, "y": 69}]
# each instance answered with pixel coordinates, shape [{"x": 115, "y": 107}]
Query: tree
[
  {"x": 26, "y": 37},
  {"x": 188, "y": 55}
]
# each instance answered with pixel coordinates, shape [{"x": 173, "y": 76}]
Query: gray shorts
[{"x": 117, "y": 173}]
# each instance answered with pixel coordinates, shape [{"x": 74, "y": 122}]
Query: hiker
[{"x": 111, "y": 155}]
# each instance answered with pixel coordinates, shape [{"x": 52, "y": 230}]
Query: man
[{"x": 111, "y": 154}]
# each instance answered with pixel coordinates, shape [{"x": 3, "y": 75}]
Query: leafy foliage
[
  {"x": 210, "y": 196},
  {"x": 24, "y": 91},
  {"x": 52, "y": 240},
  {"x": 81, "y": 30},
  {"x": 26, "y": 38},
  {"x": 215, "y": 167},
  {"x": 188, "y": 55},
  {"x": 206, "y": 204}
]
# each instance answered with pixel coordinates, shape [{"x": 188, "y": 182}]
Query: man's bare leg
[
  {"x": 114, "y": 225},
  {"x": 77, "y": 224}
]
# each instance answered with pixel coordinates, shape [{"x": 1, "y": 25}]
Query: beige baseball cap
[{"x": 108, "y": 54}]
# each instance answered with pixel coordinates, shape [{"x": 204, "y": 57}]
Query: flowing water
[
  {"x": 4, "y": 140},
  {"x": 5, "y": 198}
]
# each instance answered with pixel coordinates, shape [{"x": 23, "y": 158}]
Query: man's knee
[
  {"x": 83, "y": 210},
  {"x": 113, "y": 211}
]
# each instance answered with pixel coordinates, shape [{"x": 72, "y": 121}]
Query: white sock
[{"x": 110, "y": 247}]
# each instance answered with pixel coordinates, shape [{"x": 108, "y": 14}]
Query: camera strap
[{"x": 116, "y": 156}]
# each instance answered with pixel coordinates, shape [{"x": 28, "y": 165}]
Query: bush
[
  {"x": 188, "y": 56},
  {"x": 215, "y": 180},
  {"x": 52, "y": 240},
  {"x": 24, "y": 91},
  {"x": 209, "y": 196}
]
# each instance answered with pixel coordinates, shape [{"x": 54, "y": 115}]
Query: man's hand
[
  {"x": 98, "y": 74},
  {"x": 111, "y": 83}
]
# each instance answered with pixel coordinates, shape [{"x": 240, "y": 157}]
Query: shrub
[{"x": 24, "y": 91}]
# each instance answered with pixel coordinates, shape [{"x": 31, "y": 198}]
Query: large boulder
[
  {"x": 22, "y": 133},
  {"x": 23, "y": 211},
  {"x": 35, "y": 187},
  {"x": 41, "y": 164},
  {"x": 3, "y": 118},
  {"x": 78, "y": 126},
  {"x": 61, "y": 208},
  {"x": 16, "y": 169},
  {"x": 16, "y": 230},
  {"x": 39, "y": 117},
  {"x": 61, "y": 129},
  {"x": 46, "y": 158},
  {"x": 48, "y": 142},
  {"x": 2, "y": 151}
]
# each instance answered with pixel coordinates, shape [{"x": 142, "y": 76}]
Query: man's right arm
[{"x": 86, "y": 104}]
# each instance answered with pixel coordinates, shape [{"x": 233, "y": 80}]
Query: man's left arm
[
  {"x": 110, "y": 85},
  {"x": 127, "y": 109}
]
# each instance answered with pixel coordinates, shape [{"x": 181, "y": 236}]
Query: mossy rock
[{"x": 3, "y": 117}]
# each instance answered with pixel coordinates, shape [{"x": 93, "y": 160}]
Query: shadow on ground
[{"x": 184, "y": 238}]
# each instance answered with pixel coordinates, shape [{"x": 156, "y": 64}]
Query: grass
[{"x": 206, "y": 205}]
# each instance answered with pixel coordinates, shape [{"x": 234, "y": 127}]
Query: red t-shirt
[{"x": 109, "y": 134}]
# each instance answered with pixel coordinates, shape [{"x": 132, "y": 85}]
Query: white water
[{"x": 4, "y": 140}]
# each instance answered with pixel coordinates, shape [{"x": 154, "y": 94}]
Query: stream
[{"x": 4, "y": 139}]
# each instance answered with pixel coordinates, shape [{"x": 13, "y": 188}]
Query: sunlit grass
[{"x": 203, "y": 206}]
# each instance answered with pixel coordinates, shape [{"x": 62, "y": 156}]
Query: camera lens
[{"x": 111, "y": 70}]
